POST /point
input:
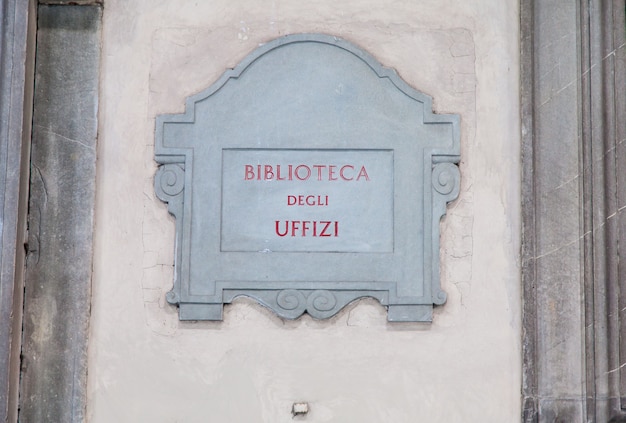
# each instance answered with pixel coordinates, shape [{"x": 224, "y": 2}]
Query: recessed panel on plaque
[
  {"x": 307, "y": 177},
  {"x": 307, "y": 200}
]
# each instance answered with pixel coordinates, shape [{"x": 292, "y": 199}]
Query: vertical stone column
[
  {"x": 574, "y": 186},
  {"x": 59, "y": 263},
  {"x": 16, "y": 62}
]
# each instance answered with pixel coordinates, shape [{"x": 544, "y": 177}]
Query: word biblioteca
[{"x": 303, "y": 172}]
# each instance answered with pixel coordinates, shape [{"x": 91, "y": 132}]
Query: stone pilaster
[{"x": 573, "y": 126}]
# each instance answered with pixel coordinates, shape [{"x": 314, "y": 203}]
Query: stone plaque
[{"x": 305, "y": 178}]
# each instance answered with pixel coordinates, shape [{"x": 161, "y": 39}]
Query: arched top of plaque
[{"x": 307, "y": 177}]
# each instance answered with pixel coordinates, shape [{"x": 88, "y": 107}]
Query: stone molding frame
[{"x": 574, "y": 210}]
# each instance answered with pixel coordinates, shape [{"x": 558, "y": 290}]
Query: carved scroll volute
[
  {"x": 169, "y": 184},
  {"x": 320, "y": 303},
  {"x": 446, "y": 179}
]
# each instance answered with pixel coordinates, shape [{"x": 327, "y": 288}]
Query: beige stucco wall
[{"x": 146, "y": 366}]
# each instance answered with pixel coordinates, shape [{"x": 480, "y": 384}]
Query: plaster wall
[{"x": 146, "y": 365}]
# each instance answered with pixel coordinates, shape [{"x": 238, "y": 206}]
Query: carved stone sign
[{"x": 305, "y": 178}]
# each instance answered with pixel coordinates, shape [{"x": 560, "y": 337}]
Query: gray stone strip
[
  {"x": 16, "y": 62},
  {"x": 573, "y": 193},
  {"x": 528, "y": 253},
  {"x": 602, "y": 118},
  {"x": 553, "y": 325},
  {"x": 587, "y": 213},
  {"x": 619, "y": 121},
  {"x": 59, "y": 263}
]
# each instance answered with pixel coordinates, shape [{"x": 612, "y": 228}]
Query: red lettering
[
  {"x": 319, "y": 171},
  {"x": 286, "y": 228},
  {"x": 295, "y": 225},
  {"x": 331, "y": 173},
  {"x": 343, "y": 176},
  {"x": 307, "y": 200},
  {"x": 363, "y": 173},
  {"x": 326, "y": 225},
  {"x": 302, "y": 172},
  {"x": 302, "y": 228},
  {"x": 249, "y": 173},
  {"x": 305, "y": 226},
  {"x": 308, "y": 172},
  {"x": 278, "y": 178}
]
